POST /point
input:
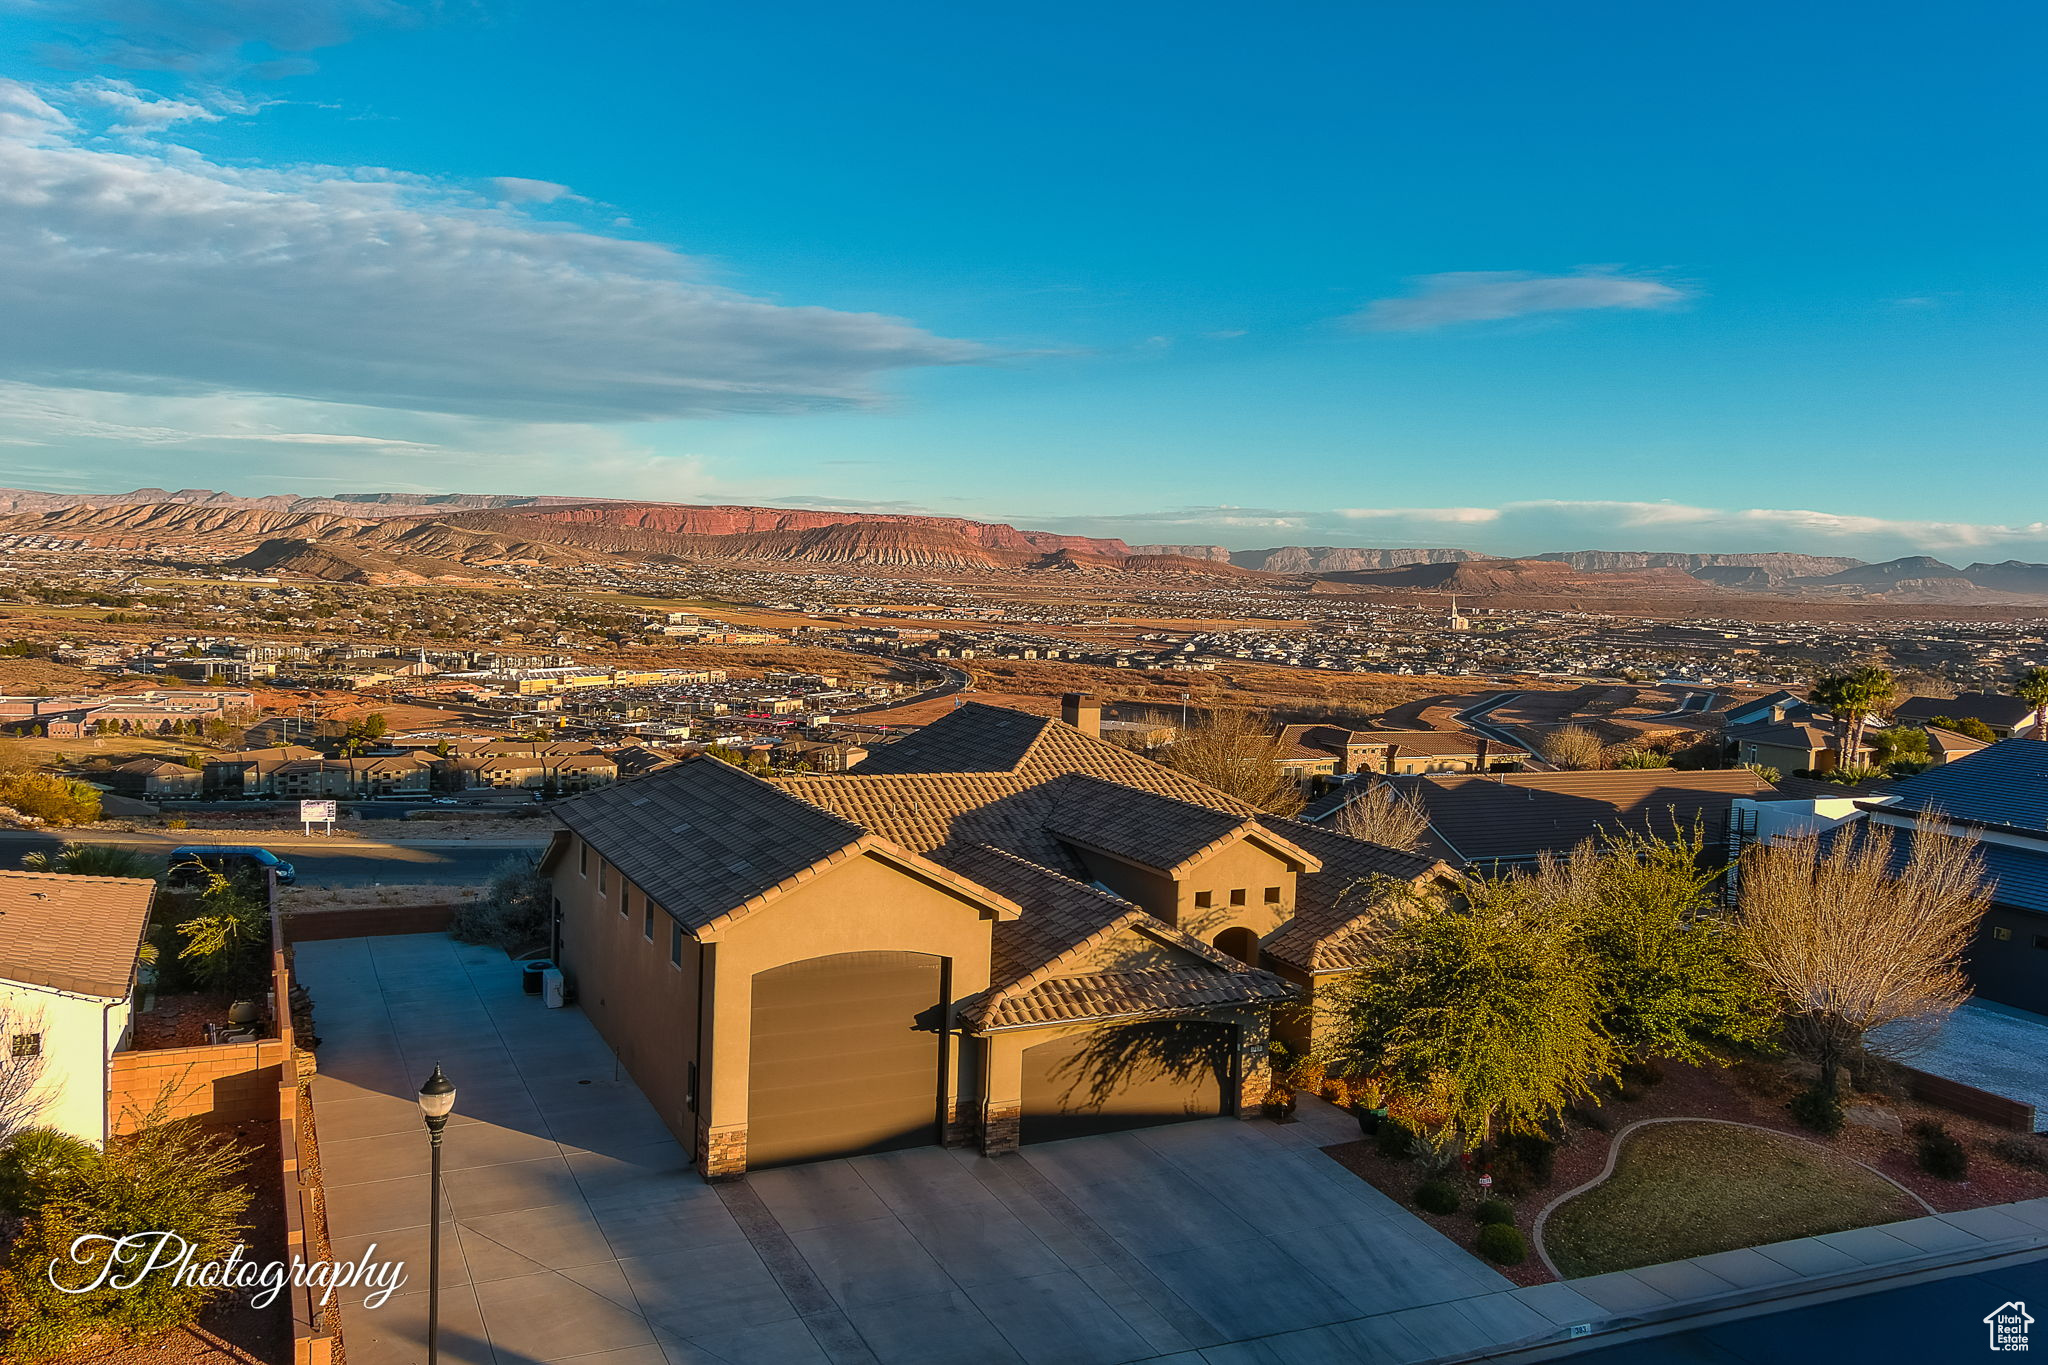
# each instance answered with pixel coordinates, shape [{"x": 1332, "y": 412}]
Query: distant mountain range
[{"x": 409, "y": 537}]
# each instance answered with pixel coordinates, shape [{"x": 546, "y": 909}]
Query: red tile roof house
[
  {"x": 68, "y": 952},
  {"x": 1334, "y": 751},
  {"x": 999, "y": 929}
]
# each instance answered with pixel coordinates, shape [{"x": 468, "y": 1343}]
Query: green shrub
[
  {"x": 1531, "y": 1158},
  {"x": 2029, "y": 1151},
  {"x": 33, "y": 1161},
  {"x": 1437, "y": 1196},
  {"x": 1503, "y": 1244},
  {"x": 1394, "y": 1140},
  {"x": 48, "y": 797},
  {"x": 1817, "y": 1108},
  {"x": 513, "y": 912},
  {"x": 1939, "y": 1153},
  {"x": 169, "y": 1178},
  {"x": 227, "y": 936},
  {"x": 1494, "y": 1211}
]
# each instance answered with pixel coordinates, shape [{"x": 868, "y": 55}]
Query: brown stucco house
[{"x": 999, "y": 929}]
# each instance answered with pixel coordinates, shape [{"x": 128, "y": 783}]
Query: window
[
  {"x": 600, "y": 877},
  {"x": 1272, "y": 895},
  {"x": 647, "y": 918},
  {"x": 1237, "y": 896},
  {"x": 625, "y": 899},
  {"x": 1203, "y": 899},
  {"x": 675, "y": 944},
  {"x": 2041, "y": 940},
  {"x": 582, "y": 859},
  {"x": 27, "y": 1045},
  {"x": 2001, "y": 933}
]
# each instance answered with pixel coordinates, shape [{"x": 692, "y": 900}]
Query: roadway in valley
[{"x": 343, "y": 860}]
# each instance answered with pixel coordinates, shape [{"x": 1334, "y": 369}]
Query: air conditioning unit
[{"x": 552, "y": 989}]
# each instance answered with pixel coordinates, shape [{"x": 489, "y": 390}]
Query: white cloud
[
  {"x": 1536, "y": 525},
  {"x": 1454, "y": 516},
  {"x": 215, "y": 36},
  {"x": 138, "y": 112},
  {"x": 151, "y": 270},
  {"x": 513, "y": 189},
  {"x": 1489, "y": 295}
]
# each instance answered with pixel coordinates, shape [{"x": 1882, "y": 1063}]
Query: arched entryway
[
  {"x": 1240, "y": 943},
  {"x": 844, "y": 1057}
]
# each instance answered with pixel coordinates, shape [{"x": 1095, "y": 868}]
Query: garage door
[
  {"x": 844, "y": 1058},
  {"x": 1133, "y": 1077}
]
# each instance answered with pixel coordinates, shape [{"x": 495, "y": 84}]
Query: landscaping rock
[{"x": 1877, "y": 1117}]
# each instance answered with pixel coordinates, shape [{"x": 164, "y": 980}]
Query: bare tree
[
  {"x": 21, "y": 1077},
  {"x": 1573, "y": 747},
  {"x": 1855, "y": 937},
  {"x": 1383, "y": 816},
  {"x": 1236, "y": 753}
]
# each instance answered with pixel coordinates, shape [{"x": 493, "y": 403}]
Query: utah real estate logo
[{"x": 2008, "y": 1325}]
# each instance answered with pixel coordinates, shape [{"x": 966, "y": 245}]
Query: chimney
[
  {"x": 1083, "y": 712},
  {"x": 1485, "y": 745},
  {"x": 1392, "y": 750}
]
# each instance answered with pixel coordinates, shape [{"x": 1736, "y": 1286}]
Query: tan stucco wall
[
  {"x": 862, "y": 905},
  {"x": 1243, "y": 866},
  {"x": 644, "y": 1006}
]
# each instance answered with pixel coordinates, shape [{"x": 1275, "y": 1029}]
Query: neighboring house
[
  {"x": 1512, "y": 819},
  {"x": 1334, "y": 751},
  {"x": 251, "y": 773},
  {"x": 1997, "y": 799},
  {"x": 2007, "y": 716},
  {"x": 999, "y": 929},
  {"x": 68, "y": 951},
  {"x": 1789, "y": 746},
  {"x": 1774, "y": 708},
  {"x": 1946, "y": 746},
  {"x": 155, "y": 778}
]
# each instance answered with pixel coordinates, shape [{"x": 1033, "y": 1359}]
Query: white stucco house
[{"x": 68, "y": 952}]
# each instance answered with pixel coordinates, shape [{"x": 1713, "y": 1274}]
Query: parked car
[
  {"x": 446, "y": 801},
  {"x": 189, "y": 864}
]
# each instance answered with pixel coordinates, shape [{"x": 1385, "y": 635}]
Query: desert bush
[
  {"x": 2029, "y": 1151},
  {"x": 33, "y": 1160},
  {"x": 48, "y": 797},
  {"x": 1523, "y": 1162},
  {"x": 226, "y": 936},
  {"x": 1503, "y": 1244},
  {"x": 1818, "y": 1108},
  {"x": 1437, "y": 1196},
  {"x": 513, "y": 911},
  {"x": 169, "y": 1178},
  {"x": 1938, "y": 1152},
  {"x": 1394, "y": 1140},
  {"x": 92, "y": 860},
  {"x": 1493, "y": 1211}
]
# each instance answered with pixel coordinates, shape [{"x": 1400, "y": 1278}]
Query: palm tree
[
  {"x": 2031, "y": 687},
  {"x": 1851, "y": 697}
]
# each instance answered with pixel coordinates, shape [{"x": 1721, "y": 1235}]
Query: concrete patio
[{"x": 579, "y": 1233}]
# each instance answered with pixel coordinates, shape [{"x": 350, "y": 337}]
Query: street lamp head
[{"x": 437, "y": 1097}]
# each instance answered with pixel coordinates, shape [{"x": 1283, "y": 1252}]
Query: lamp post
[{"x": 437, "y": 1102}]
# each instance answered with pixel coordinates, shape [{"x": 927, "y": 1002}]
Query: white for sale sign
[{"x": 315, "y": 812}]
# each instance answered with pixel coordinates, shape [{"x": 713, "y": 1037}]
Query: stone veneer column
[
  {"x": 1002, "y": 1124},
  {"x": 1254, "y": 1065},
  {"x": 724, "y": 1152},
  {"x": 960, "y": 1129}
]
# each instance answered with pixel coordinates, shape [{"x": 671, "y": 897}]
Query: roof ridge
[{"x": 69, "y": 878}]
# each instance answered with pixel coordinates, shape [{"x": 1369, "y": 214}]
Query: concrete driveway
[{"x": 580, "y": 1234}]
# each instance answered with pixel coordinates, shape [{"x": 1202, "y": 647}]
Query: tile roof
[
  {"x": 1148, "y": 992},
  {"x": 1819, "y": 789},
  {"x": 1338, "y": 913},
  {"x": 1786, "y": 734},
  {"x": 2002, "y": 784},
  {"x": 703, "y": 838},
  {"x": 974, "y": 738},
  {"x": 77, "y": 934},
  {"x": 1146, "y": 828},
  {"x": 1516, "y": 816},
  {"x": 1992, "y": 708}
]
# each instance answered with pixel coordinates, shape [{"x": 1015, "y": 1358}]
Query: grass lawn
[{"x": 1690, "y": 1189}]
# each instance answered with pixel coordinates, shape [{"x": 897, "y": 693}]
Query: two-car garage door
[{"x": 845, "y": 1057}]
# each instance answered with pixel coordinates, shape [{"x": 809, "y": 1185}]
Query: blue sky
[{"x": 1509, "y": 276}]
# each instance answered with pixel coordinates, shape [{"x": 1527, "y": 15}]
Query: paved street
[{"x": 320, "y": 862}]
